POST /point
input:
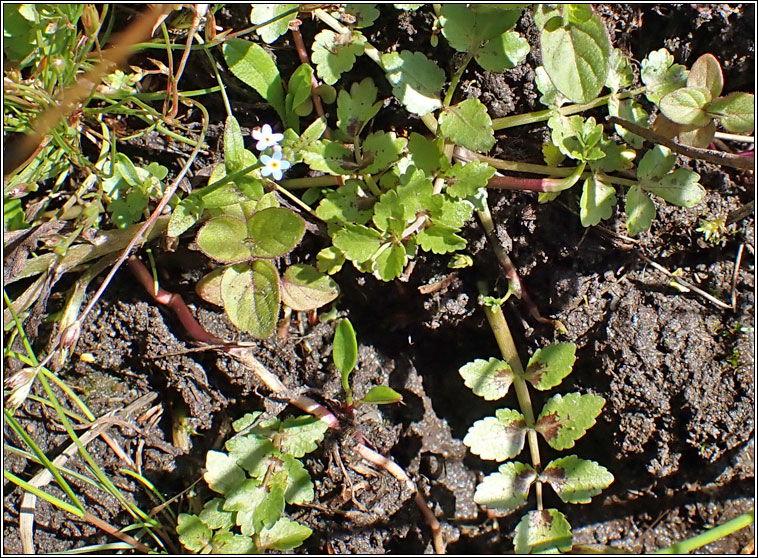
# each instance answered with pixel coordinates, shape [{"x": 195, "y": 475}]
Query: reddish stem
[{"x": 529, "y": 184}]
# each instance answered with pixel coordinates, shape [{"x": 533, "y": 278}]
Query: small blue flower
[
  {"x": 266, "y": 138},
  {"x": 274, "y": 165}
]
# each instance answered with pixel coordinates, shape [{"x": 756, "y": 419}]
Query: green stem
[
  {"x": 222, "y": 89},
  {"x": 310, "y": 182},
  {"x": 455, "y": 79},
  {"x": 685, "y": 547},
  {"x": 502, "y": 333},
  {"x": 542, "y": 115}
]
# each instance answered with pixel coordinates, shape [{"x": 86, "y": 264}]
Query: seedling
[
  {"x": 562, "y": 420},
  {"x": 256, "y": 477}
]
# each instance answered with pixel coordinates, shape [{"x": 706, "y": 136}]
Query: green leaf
[
  {"x": 440, "y": 239},
  {"x": 298, "y": 97},
  {"x": 576, "y": 57},
  {"x": 468, "y": 178},
  {"x": 382, "y": 395},
  {"x": 706, "y": 73},
  {"x": 274, "y": 232},
  {"x": 252, "y": 453},
  {"x": 597, "y": 202},
  {"x": 284, "y": 535},
  {"x": 305, "y": 288},
  {"x": 469, "y": 125},
  {"x": 508, "y": 488},
  {"x": 735, "y": 111},
  {"x": 618, "y": 157},
  {"x": 565, "y": 419},
  {"x": 416, "y": 81},
  {"x": 640, "y": 211},
  {"x": 655, "y": 164},
  {"x": 347, "y": 204},
  {"x": 270, "y": 508},
  {"x": 301, "y": 435},
  {"x": 223, "y": 239},
  {"x": 687, "y": 106},
  {"x": 575, "y": 480},
  {"x": 489, "y": 379},
  {"x": 255, "y": 67},
  {"x": 357, "y": 242},
  {"x": 330, "y": 260},
  {"x": 390, "y": 263},
  {"x": 460, "y": 261},
  {"x": 661, "y": 75},
  {"x": 425, "y": 154},
  {"x": 632, "y": 111},
  {"x": 193, "y": 533},
  {"x": 452, "y": 214},
  {"x": 299, "y": 485},
  {"x": 264, "y": 12},
  {"x": 345, "y": 350},
  {"x": 620, "y": 72},
  {"x": 365, "y": 14},
  {"x": 380, "y": 150},
  {"x": 228, "y": 543},
  {"x": 222, "y": 472},
  {"x": 214, "y": 516},
  {"x": 680, "y": 187},
  {"x": 334, "y": 54},
  {"x": 251, "y": 297},
  {"x": 329, "y": 156},
  {"x": 549, "y": 365},
  {"x": 233, "y": 145},
  {"x": 388, "y": 213},
  {"x": 247, "y": 420},
  {"x": 543, "y": 532},
  {"x": 466, "y": 27},
  {"x": 499, "y": 438},
  {"x": 550, "y": 97},
  {"x": 127, "y": 170},
  {"x": 185, "y": 215},
  {"x": 209, "y": 286},
  {"x": 356, "y": 108},
  {"x": 503, "y": 52}
]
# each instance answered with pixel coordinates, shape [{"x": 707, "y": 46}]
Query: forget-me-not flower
[
  {"x": 274, "y": 165},
  {"x": 266, "y": 138}
]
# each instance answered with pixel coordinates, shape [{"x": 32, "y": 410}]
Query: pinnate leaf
[
  {"x": 305, "y": 288},
  {"x": 380, "y": 150},
  {"x": 440, "y": 239},
  {"x": 251, "y": 297},
  {"x": 251, "y": 452},
  {"x": 416, "y": 81},
  {"x": 549, "y": 365},
  {"x": 301, "y": 435},
  {"x": 489, "y": 379},
  {"x": 576, "y": 480},
  {"x": 508, "y": 488},
  {"x": 500, "y": 437},
  {"x": 356, "y": 108},
  {"x": 543, "y": 532},
  {"x": 193, "y": 533},
  {"x": 284, "y": 535},
  {"x": 357, "y": 242},
  {"x": 565, "y": 418},
  {"x": 468, "y": 178},
  {"x": 299, "y": 486},
  {"x": 469, "y": 125}
]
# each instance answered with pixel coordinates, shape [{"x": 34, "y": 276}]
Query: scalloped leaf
[
  {"x": 334, "y": 54},
  {"x": 299, "y": 486},
  {"x": 356, "y": 108},
  {"x": 660, "y": 75},
  {"x": 261, "y": 13},
  {"x": 687, "y": 106},
  {"x": 193, "y": 533},
  {"x": 565, "y": 418},
  {"x": 301, "y": 435},
  {"x": 681, "y": 187},
  {"x": 284, "y": 535},
  {"x": 467, "y": 27},
  {"x": 503, "y": 52},
  {"x": 305, "y": 288},
  {"x": 543, "y": 532},
  {"x": 252, "y": 453},
  {"x": 222, "y": 472},
  {"x": 597, "y": 201},
  {"x": 576, "y": 480},
  {"x": 251, "y": 297},
  {"x": 214, "y": 516},
  {"x": 640, "y": 211},
  {"x": 416, "y": 81},
  {"x": 500, "y": 437},
  {"x": 655, "y": 164},
  {"x": 489, "y": 379},
  {"x": 329, "y": 156},
  {"x": 508, "y": 488},
  {"x": 390, "y": 263},
  {"x": 576, "y": 57},
  {"x": 228, "y": 543},
  {"x": 440, "y": 239},
  {"x": 549, "y": 365},
  {"x": 469, "y": 125},
  {"x": 357, "y": 242},
  {"x": 380, "y": 150},
  {"x": 468, "y": 178}
]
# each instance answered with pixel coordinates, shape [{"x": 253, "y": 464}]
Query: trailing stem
[{"x": 502, "y": 332}]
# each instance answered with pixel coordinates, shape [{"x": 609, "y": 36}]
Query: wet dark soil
[{"x": 676, "y": 370}]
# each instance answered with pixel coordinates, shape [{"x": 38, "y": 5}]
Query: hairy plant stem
[
  {"x": 542, "y": 115},
  {"x": 504, "y": 339}
]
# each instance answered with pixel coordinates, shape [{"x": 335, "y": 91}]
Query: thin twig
[
  {"x": 737, "y": 263},
  {"x": 687, "y": 284},
  {"x": 396, "y": 471},
  {"x": 716, "y": 157}
]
